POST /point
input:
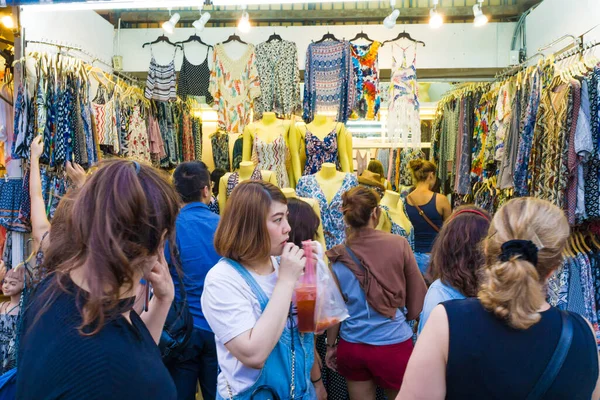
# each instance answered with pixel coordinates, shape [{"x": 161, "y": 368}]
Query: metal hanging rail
[{"x": 93, "y": 58}]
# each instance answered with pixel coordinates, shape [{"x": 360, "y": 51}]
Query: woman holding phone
[{"x": 100, "y": 349}]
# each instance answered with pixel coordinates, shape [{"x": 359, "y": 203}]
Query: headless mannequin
[
  {"x": 268, "y": 130},
  {"x": 397, "y": 214},
  {"x": 291, "y": 194},
  {"x": 245, "y": 172},
  {"x": 330, "y": 180},
  {"x": 321, "y": 126}
]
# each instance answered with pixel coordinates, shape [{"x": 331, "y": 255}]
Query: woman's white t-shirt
[{"x": 231, "y": 308}]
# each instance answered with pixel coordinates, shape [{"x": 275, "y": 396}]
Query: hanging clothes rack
[{"x": 93, "y": 59}]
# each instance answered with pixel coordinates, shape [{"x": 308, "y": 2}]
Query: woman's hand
[
  {"x": 292, "y": 263},
  {"x": 320, "y": 390},
  {"x": 331, "y": 358},
  {"x": 76, "y": 173},
  {"x": 2, "y": 270},
  {"x": 160, "y": 278},
  {"x": 37, "y": 147}
]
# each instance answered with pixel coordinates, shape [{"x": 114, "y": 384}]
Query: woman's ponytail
[{"x": 523, "y": 248}]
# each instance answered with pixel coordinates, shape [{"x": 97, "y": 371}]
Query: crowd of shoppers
[{"x": 131, "y": 243}]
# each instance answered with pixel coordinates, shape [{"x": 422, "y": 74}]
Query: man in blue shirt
[{"x": 195, "y": 230}]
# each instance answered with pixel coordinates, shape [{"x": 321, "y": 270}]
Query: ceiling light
[
  {"x": 169, "y": 26},
  {"x": 8, "y": 22},
  {"x": 390, "y": 21},
  {"x": 435, "y": 18},
  {"x": 200, "y": 23},
  {"x": 480, "y": 19},
  {"x": 244, "y": 23}
]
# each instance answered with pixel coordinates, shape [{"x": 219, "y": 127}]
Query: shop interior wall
[
  {"x": 84, "y": 29},
  {"x": 451, "y": 46},
  {"x": 555, "y": 18}
]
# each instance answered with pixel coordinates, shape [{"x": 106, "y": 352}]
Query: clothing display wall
[{"x": 535, "y": 134}]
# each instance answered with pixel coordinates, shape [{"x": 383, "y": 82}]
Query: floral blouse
[
  {"x": 332, "y": 218},
  {"x": 234, "y": 85},
  {"x": 277, "y": 64}
]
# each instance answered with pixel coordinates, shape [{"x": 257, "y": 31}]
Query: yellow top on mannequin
[
  {"x": 330, "y": 180},
  {"x": 245, "y": 172},
  {"x": 268, "y": 130},
  {"x": 321, "y": 126},
  {"x": 393, "y": 202},
  {"x": 290, "y": 193}
]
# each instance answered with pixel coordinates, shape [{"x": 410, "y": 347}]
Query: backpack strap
[{"x": 557, "y": 360}]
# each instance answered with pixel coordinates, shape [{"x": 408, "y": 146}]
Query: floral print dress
[
  {"x": 366, "y": 68},
  {"x": 332, "y": 218},
  {"x": 8, "y": 341},
  {"x": 234, "y": 85}
]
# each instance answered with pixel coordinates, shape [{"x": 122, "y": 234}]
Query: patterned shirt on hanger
[
  {"x": 160, "y": 84},
  {"x": 277, "y": 65},
  {"x": 403, "y": 121},
  {"x": 234, "y": 85},
  {"x": 195, "y": 79},
  {"x": 366, "y": 68}
]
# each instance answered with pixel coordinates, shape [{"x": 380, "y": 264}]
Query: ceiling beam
[{"x": 311, "y": 16}]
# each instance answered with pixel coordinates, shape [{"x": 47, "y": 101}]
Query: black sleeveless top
[
  {"x": 487, "y": 359},
  {"x": 194, "y": 79}
]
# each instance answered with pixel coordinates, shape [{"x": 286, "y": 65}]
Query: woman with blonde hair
[{"x": 509, "y": 343}]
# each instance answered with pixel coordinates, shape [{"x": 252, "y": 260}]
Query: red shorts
[{"x": 383, "y": 364}]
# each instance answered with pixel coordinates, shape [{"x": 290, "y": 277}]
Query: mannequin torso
[
  {"x": 330, "y": 180},
  {"x": 392, "y": 201},
  {"x": 245, "y": 173},
  {"x": 268, "y": 130},
  {"x": 327, "y": 187}
]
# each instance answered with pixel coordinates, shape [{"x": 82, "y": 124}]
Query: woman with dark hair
[
  {"x": 379, "y": 277},
  {"x": 303, "y": 220},
  {"x": 426, "y": 209},
  {"x": 456, "y": 258},
  {"x": 247, "y": 300},
  {"x": 100, "y": 349}
]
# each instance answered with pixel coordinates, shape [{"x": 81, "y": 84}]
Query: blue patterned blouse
[{"x": 332, "y": 218}]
